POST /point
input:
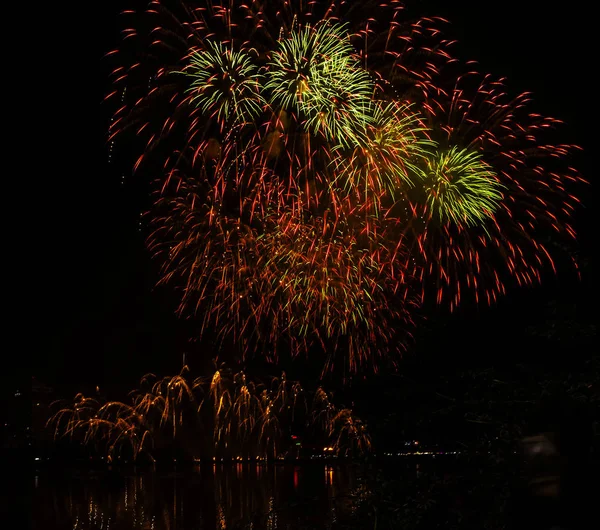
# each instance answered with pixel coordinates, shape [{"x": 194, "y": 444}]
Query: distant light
[{"x": 37, "y": 458}]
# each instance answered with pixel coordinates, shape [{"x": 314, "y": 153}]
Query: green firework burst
[
  {"x": 224, "y": 83},
  {"x": 313, "y": 71},
  {"x": 388, "y": 152},
  {"x": 461, "y": 188}
]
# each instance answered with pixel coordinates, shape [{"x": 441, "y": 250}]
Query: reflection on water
[{"x": 247, "y": 496}]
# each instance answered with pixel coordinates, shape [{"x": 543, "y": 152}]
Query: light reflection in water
[
  {"x": 329, "y": 475},
  {"x": 242, "y": 496}
]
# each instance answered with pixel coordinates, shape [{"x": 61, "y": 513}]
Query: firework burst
[
  {"x": 517, "y": 190},
  {"x": 461, "y": 188},
  {"x": 317, "y": 178},
  {"x": 224, "y": 84}
]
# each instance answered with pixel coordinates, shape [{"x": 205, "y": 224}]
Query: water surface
[{"x": 249, "y": 496}]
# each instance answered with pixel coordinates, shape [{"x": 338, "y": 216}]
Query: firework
[
  {"x": 387, "y": 155},
  {"x": 246, "y": 418},
  {"x": 489, "y": 208},
  {"x": 461, "y": 188},
  {"x": 224, "y": 84},
  {"x": 349, "y": 433},
  {"x": 118, "y": 427},
  {"x": 314, "y": 72},
  {"x": 317, "y": 176}
]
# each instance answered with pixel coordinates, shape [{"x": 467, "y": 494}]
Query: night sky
[{"x": 102, "y": 320}]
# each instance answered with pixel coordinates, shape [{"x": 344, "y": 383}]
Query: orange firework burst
[{"x": 243, "y": 418}]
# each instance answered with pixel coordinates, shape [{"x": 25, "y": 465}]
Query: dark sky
[{"x": 101, "y": 320}]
